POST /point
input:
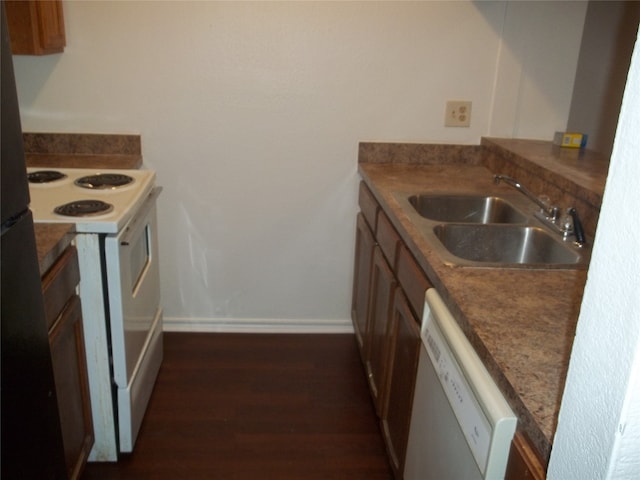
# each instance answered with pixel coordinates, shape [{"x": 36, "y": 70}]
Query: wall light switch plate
[{"x": 457, "y": 114}]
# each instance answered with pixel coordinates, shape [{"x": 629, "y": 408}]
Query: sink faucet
[
  {"x": 550, "y": 211},
  {"x": 549, "y": 214}
]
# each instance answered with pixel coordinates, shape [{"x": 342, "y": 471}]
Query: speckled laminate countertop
[
  {"x": 51, "y": 240},
  {"x": 82, "y": 150},
  {"x": 521, "y": 322}
]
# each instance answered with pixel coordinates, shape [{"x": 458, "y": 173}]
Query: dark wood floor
[{"x": 246, "y": 406}]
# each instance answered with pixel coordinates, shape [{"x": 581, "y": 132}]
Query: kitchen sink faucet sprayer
[{"x": 578, "y": 231}]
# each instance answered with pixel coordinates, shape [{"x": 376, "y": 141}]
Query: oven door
[{"x": 135, "y": 316}]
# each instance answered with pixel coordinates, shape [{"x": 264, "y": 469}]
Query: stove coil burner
[
  {"x": 104, "y": 181},
  {"x": 83, "y": 208},
  {"x": 45, "y": 176}
]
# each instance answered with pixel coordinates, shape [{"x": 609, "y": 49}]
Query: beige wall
[{"x": 251, "y": 115}]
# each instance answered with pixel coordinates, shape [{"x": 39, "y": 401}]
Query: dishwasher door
[{"x": 461, "y": 425}]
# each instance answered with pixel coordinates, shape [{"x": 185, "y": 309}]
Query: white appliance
[
  {"x": 119, "y": 289},
  {"x": 461, "y": 425}
]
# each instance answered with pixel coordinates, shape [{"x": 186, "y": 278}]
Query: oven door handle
[{"x": 132, "y": 227}]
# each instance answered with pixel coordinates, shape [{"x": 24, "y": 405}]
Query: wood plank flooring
[{"x": 248, "y": 406}]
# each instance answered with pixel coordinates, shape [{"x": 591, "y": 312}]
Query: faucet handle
[
  {"x": 549, "y": 210},
  {"x": 566, "y": 225}
]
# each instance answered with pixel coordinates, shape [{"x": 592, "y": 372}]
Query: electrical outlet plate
[{"x": 458, "y": 113}]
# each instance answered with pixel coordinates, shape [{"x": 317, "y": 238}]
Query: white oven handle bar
[{"x": 132, "y": 227}]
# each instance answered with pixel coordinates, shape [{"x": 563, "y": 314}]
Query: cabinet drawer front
[
  {"x": 413, "y": 281},
  {"x": 59, "y": 284},
  {"x": 387, "y": 238},
  {"x": 368, "y": 205}
]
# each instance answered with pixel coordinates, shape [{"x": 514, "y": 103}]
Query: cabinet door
[
  {"x": 361, "y": 280},
  {"x": 383, "y": 285},
  {"x": 36, "y": 27},
  {"x": 72, "y": 388},
  {"x": 401, "y": 378}
]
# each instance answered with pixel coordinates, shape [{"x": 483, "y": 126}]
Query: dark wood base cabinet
[
  {"x": 66, "y": 340},
  {"x": 387, "y": 307},
  {"x": 388, "y": 299}
]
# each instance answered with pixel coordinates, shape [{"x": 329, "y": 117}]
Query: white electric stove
[
  {"x": 114, "y": 212},
  {"x": 47, "y": 195}
]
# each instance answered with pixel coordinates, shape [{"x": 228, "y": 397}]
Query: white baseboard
[{"x": 256, "y": 325}]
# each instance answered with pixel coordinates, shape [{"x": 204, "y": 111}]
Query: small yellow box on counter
[{"x": 570, "y": 140}]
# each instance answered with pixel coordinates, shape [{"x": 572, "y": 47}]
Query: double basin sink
[{"x": 489, "y": 231}]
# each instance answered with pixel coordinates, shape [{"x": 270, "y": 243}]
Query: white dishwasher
[{"x": 461, "y": 425}]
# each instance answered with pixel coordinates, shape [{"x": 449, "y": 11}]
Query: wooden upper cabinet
[{"x": 36, "y": 27}]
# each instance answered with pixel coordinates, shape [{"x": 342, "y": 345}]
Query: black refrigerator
[{"x": 31, "y": 435}]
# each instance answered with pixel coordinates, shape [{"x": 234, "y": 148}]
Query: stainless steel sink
[
  {"x": 505, "y": 245},
  {"x": 466, "y": 209}
]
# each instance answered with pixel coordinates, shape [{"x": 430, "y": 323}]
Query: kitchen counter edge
[{"x": 51, "y": 240}]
